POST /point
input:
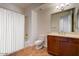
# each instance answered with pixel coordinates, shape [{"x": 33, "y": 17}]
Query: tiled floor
[{"x": 31, "y": 51}]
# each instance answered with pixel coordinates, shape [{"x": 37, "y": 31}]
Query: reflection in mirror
[
  {"x": 78, "y": 22},
  {"x": 65, "y": 24},
  {"x": 62, "y": 21}
]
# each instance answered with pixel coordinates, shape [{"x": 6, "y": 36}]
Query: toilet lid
[{"x": 38, "y": 41}]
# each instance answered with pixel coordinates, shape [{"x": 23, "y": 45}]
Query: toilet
[{"x": 39, "y": 44}]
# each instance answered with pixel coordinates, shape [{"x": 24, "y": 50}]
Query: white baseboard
[{"x": 2, "y": 54}]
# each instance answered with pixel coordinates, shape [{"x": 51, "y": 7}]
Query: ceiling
[
  {"x": 25, "y": 5},
  {"x": 21, "y": 6}
]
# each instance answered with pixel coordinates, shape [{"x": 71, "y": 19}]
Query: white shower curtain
[{"x": 11, "y": 31}]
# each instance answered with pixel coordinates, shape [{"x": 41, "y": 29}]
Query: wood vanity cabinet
[
  {"x": 63, "y": 46},
  {"x": 53, "y": 45}
]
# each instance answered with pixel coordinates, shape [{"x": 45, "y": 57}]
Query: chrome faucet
[{"x": 61, "y": 32}]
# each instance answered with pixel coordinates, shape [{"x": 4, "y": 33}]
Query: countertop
[{"x": 64, "y": 34}]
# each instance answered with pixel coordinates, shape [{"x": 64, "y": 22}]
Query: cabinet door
[
  {"x": 77, "y": 49},
  {"x": 76, "y": 44},
  {"x": 67, "y": 48},
  {"x": 53, "y": 46}
]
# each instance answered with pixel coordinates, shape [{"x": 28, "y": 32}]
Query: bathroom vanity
[{"x": 63, "y": 44}]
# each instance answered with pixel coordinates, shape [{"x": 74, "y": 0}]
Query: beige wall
[
  {"x": 31, "y": 26},
  {"x": 26, "y": 25},
  {"x": 43, "y": 23}
]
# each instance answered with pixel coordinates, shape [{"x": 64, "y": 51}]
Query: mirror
[
  {"x": 78, "y": 22},
  {"x": 62, "y": 21}
]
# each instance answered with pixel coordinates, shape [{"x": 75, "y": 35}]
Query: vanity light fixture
[{"x": 62, "y": 6}]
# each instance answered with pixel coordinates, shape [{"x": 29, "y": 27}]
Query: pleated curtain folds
[{"x": 11, "y": 31}]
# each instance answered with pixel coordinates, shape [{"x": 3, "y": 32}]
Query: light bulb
[
  {"x": 57, "y": 7},
  {"x": 62, "y": 5}
]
